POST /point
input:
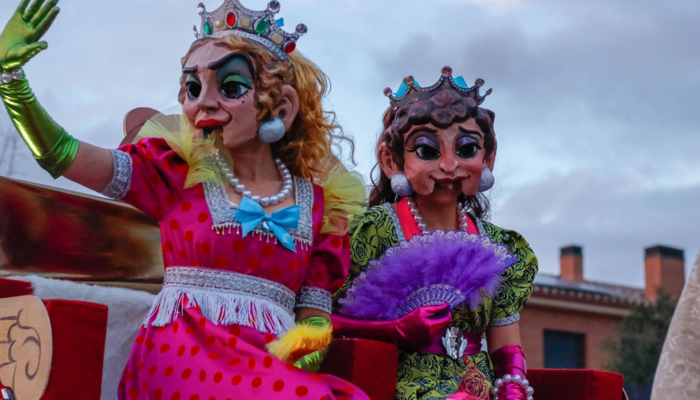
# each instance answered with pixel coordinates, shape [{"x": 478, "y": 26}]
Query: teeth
[{"x": 450, "y": 186}]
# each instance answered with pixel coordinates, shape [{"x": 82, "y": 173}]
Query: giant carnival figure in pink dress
[
  {"x": 253, "y": 246},
  {"x": 428, "y": 272}
]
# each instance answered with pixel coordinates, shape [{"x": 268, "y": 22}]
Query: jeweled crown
[
  {"x": 410, "y": 91},
  {"x": 234, "y": 19}
]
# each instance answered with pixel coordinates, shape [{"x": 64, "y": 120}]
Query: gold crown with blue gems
[
  {"x": 410, "y": 91},
  {"x": 234, "y": 19}
]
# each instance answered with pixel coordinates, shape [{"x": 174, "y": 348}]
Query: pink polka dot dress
[{"x": 224, "y": 296}]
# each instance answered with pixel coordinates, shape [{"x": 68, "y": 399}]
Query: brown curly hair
[
  {"x": 442, "y": 110},
  {"x": 306, "y": 149}
]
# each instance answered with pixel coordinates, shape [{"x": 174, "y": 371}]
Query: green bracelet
[{"x": 316, "y": 321}]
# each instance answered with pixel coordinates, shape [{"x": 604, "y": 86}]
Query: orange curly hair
[{"x": 306, "y": 149}]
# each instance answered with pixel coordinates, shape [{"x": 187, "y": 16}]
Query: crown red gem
[
  {"x": 231, "y": 18},
  {"x": 290, "y": 47}
]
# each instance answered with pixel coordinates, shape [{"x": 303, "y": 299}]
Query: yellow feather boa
[
  {"x": 177, "y": 132},
  {"x": 308, "y": 336}
]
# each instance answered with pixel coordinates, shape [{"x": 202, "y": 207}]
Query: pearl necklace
[
  {"x": 264, "y": 200},
  {"x": 419, "y": 220}
]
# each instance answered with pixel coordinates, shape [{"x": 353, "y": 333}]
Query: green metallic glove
[
  {"x": 18, "y": 41},
  {"x": 52, "y": 147},
  {"x": 312, "y": 362}
]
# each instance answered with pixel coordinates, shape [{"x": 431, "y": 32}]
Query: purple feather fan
[{"x": 441, "y": 267}]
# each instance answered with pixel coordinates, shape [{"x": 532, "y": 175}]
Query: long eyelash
[
  {"x": 413, "y": 150},
  {"x": 478, "y": 147},
  {"x": 244, "y": 94}
]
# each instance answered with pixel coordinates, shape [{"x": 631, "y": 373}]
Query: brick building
[{"x": 567, "y": 320}]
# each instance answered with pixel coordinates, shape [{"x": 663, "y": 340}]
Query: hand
[
  {"x": 416, "y": 330},
  {"x": 419, "y": 328},
  {"x": 19, "y": 40}
]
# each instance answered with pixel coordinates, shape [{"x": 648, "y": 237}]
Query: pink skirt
[{"x": 193, "y": 359}]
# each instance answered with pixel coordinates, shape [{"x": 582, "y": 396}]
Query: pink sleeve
[
  {"x": 148, "y": 175},
  {"x": 329, "y": 263}
]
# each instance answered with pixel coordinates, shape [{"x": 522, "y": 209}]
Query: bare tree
[{"x": 8, "y": 151}]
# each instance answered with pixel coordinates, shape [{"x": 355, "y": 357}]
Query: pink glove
[
  {"x": 511, "y": 369},
  {"x": 415, "y": 330}
]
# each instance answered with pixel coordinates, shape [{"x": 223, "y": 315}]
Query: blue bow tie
[{"x": 251, "y": 215}]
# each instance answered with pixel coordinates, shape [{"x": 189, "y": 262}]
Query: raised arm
[{"x": 54, "y": 149}]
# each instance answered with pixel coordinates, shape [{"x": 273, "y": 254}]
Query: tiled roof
[{"x": 547, "y": 285}]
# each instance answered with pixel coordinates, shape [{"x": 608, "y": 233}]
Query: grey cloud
[
  {"x": 596, "y": 101},
  {"x": 614, "y": 218},
  {"x": 622, "y": 74},
  {"x": 597, "y": 120}
]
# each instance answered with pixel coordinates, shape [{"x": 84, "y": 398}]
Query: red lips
[{"x": 210, "y": 123}]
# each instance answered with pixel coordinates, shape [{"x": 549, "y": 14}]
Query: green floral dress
[{"x": 424, "y": 376}]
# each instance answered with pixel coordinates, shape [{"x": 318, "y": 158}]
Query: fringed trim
[
  {"x": 225, "y": 298},
  {"x": 221, "y": 309},
  {"x": 224, "y": 217},
  {"x": 268, "y": 236}
]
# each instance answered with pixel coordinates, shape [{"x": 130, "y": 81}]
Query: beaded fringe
[
  {"x": 221, "y": 309},
  {"x": 230, "y": 227}
]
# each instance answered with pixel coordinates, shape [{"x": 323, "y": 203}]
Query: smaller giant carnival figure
[
  {"x": 253, "y": 246},
  {"x": 428, "y": 273}
]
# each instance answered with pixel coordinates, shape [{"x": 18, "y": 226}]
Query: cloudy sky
[{"x": 596, "y": 102}]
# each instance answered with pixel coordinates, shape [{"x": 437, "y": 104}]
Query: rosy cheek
[
  {"x": 470, "y": 186},
  {"x": 472, "y": 169},
  {"x": 418, "y": 173},
  {"x": 190, "y": 110}
]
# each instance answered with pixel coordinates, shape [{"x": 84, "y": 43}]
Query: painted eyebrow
[
  {"x": 463, "y": 130},
  {"x": 214, "y": 65},
  {"x": 419, "y": 130},
  {"x": 190, "y": 70}
]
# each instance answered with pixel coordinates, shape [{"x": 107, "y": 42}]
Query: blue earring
[
  {"x": 487, "y": 180},
  {"x": 272, "y": 131},
  {"x": 400, "y": 185}
]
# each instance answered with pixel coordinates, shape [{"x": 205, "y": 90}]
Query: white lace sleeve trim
[
  {"x": 313, "y": 297},
  {"x": 507, "y": 320},
  {"x": 121, "y": 179}
]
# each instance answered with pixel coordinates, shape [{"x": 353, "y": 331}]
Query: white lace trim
[
  {"x": 225, "y": 298},
  {"x": 121, "y": 179},
  {"x": 313, "y": 297},
  {"x": 511, "y": 319},
  {"x": 479, "y": 224},
  {"x": 395, "y": 219},
  {"x": 677, "y": 375},
  {"x": 224, "y": 219},
  {"x": 499, "y": 249}
]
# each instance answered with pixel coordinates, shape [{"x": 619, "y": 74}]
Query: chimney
[
  {"x": 571, "y": 264},
  {"x": 665, "y": 268}
]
